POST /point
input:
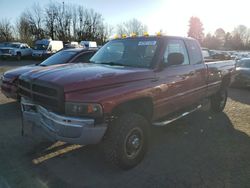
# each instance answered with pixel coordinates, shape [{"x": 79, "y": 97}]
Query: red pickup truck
[{"x": 132, "y": 84}]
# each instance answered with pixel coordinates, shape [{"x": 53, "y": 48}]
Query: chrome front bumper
[{"x": 38, "y": 120}]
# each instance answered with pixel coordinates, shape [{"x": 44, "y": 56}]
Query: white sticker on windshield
[{"x": 147, "y": 43}]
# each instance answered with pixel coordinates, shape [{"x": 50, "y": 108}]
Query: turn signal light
[
  {"x": 145, "y": 34},
  {"x": 158, "y": 34},
  {"x": 133, "y": 35}
]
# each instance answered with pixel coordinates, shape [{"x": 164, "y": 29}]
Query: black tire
[
  {"x": 219, "y": 100},
  {"x": 18, "y": 56},
  {"x": 126, "y": 141}
]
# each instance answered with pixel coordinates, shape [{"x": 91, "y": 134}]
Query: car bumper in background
[{"x": 39, "y": 120}]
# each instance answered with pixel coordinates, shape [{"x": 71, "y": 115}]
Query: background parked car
[
  {"x": 46, "y": 47},
  {"x": 15, "y": 49},
  {"x": 68, "y": 45},
  {"x": 242, "y": 78},
  {"x": 88, "y": 44},
  {"x": 9, "y": 78}
]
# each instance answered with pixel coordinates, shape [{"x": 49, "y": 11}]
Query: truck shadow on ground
[
  {"x": 10, "y": 110},
  {"x": 201, "y": 150}
]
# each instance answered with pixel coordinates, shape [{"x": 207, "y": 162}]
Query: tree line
[
  {"x": 238, "y": 39},
  {"x": 60, "y": 21}
]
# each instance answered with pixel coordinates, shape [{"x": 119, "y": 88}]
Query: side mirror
[{"x": 175, "y": 59}]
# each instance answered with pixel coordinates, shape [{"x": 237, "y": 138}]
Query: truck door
[
  {"x": 26, "y": 50},
  {"x": 198, "y": 76},
  {"x": 175, "y": 81}
]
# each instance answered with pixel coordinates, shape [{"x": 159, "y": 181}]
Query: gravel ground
[{"x": 201, "y": 150}]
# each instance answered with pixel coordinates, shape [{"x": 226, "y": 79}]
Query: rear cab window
[{"x": 194, "y": 51}]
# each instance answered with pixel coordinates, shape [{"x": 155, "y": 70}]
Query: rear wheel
[
  {"x": 219, "y": 100},
  {"x": 126, "y": 141}
]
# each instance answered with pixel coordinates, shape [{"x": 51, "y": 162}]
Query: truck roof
[
  {"x": 156, "y": 37},
  {"x": 80, "y": 49}
]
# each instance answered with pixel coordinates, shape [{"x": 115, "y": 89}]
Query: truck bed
[{"x": 218, "y": 70}]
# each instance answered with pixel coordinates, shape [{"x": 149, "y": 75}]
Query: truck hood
[
  {"x": 15, "y": 73},
  {"x": 74, "y": 77},
  {"x": 7, "y": 48}
]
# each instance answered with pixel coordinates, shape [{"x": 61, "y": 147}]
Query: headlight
[
  {"x": 83, "y": 109},
  {"x": 1, "y": 80},
  {"x": 11, "y": 51}
]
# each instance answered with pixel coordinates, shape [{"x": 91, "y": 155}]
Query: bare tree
[
  {"x": 131, "y": 26},
  {"x": 24, "y": 30},
  {"x": 242, "y": 32},
  {"x": 35, "y": 19},
  {"x": 108, "y": 31},
  {"x": 50, "y": 19},
  {"x": 74, "y": 21},
  {"x": 91, "y": 26},
  {"x": 6, "y": 33},
  {"x": 63, "y": 22}
]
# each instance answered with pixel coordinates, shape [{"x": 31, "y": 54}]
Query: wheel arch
[{"x": 142, "y": 106}]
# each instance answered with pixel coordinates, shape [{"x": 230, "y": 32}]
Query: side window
[
  {"x": 176, "y": 46},
  {"x": 84, "y": 57},
  {"x": 194, "y": 51}
]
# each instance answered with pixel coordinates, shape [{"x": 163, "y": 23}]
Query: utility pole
[{"x": 63, "y": 7}]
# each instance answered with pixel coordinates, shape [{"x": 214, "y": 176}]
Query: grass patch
[{"x": 3, "y": 69}]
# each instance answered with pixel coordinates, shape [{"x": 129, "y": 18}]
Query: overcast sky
[{"x": 169, "y": 15}]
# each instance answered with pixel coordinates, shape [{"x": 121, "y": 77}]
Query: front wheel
[
  {"x": 126, "y": 141},
  {"x": 219, "y": 100},
  {"x": 18, "y": 56}
]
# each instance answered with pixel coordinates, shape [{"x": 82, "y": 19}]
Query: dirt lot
[{"x": 201, "y": 150}]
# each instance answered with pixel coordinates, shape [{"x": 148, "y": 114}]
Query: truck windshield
[
  {"x": 130, "y": 52},
  {"x": 13, "y": 45},
  {"x": 58, "y": 58},
  {"x": 41, "y": 47}
]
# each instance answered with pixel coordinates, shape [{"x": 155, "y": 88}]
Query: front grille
[
  {"x": 44, "y": 94},
  {"x": 25, "y": 84},
  {"x": 5, "y": 51},
  {"x": 45, "y": 90}
]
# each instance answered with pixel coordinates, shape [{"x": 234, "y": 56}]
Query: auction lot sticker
[{"x": 147, "y": 43}]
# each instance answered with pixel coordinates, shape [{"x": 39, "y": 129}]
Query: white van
[
  {"x": 46, "y": 47},
  {"x": 88, "y": 44}
]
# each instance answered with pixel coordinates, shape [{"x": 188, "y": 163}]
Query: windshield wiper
[{"x": 112, "y": 63}]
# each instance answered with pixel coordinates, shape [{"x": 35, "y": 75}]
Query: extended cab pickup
[
  {"x": 131, "y": 85},
  {"x": 15, "y": 49}
]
